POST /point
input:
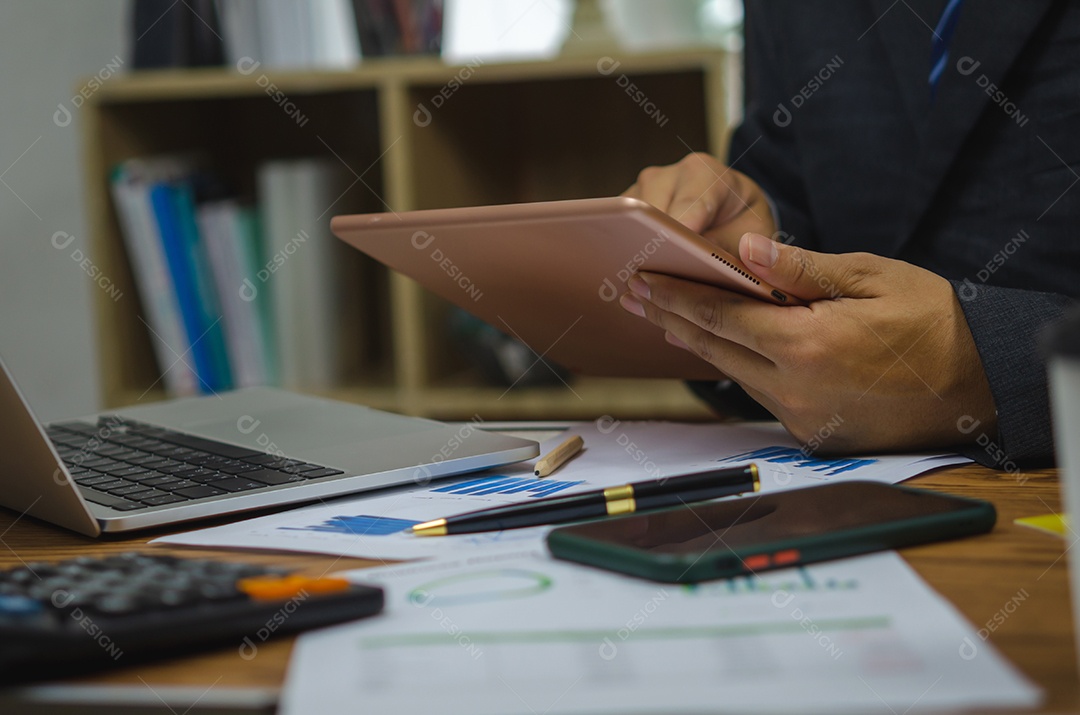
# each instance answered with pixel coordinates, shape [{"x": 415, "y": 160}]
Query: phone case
[{"x": 573, "y": 543}]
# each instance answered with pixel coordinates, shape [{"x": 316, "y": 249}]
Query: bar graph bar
[
  {"x": 530, "y": 487},
  {"x": 798, "y": 458},
  {"x": 362, "y": 525}
]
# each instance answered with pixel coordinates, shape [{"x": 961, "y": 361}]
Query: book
[
  {"x": 130, "y": 184},
  {"x": 335, "y": 43},
  {"x": 240, "y": 29},
  {"x": 171, "y": 204},
  {"x": 207, "y": 303},
  {"x": 168, "y": 33},
  {"x": 284, "y": 34},
  {"x": 377, "y": 27},
  {"x": 301, "y": 272},
  {"x": 229, "y": 233}
]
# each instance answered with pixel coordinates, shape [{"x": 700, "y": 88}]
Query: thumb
[{"x": 806, "y": 274}]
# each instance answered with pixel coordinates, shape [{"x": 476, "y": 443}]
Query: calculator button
[
  {"x": 785, "y": 557},
  {"x": 273, "y": 588},
  {"x": 757, "y": 561},
  {"x": 19, "y": 606}
]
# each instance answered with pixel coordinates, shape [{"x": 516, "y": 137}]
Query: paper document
[
  {"x": 532, "y": 635},
  {"x": 615, "y": 453}
]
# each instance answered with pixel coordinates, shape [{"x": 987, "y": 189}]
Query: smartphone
[{"x": 735, "y": 537}]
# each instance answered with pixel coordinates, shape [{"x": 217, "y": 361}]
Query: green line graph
[{"x": 413, "y": 640}]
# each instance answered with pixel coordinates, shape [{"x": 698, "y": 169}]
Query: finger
[
  {"x": 811, "y": 275},
  {"x": 761, "y": 327},
  {"x": 730, "y": 358},
  {"x": 655, "y": 185},
  {"x": 701, "y": 198}
]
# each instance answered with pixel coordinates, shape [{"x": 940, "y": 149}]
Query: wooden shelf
[{"x": 502, "y": 133}]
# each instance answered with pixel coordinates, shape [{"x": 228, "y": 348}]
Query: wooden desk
[{"x": 1012, "y": 582}]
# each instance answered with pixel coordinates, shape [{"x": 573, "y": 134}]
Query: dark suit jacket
[{"x": 975, "y": 184}]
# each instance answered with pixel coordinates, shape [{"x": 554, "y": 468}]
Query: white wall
[{"x": 47, "y": 332}]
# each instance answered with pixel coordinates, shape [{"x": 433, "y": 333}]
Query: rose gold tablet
[{"x": 551, "y": 274}]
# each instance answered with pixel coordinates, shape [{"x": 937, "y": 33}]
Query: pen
[
  {"x": 559, "y": 456},
  {"x": 624, "y": 499}
]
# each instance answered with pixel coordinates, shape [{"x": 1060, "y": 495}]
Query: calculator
[{"x": 90, "y": 613}]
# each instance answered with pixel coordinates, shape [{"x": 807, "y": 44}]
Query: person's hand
[
  {"x": 707, "y": 197},
  {"x": 880, "y": 359}
]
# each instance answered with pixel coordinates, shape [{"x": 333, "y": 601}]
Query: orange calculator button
[
  {"x": 276, "y": 588},
  {"x": 757, "y": 561},
  {"x": 787, "y": 556}
]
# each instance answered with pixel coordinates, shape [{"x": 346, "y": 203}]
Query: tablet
[{"x": 551, "y": 274}]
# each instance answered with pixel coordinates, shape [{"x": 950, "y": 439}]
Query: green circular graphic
[{"x": 480, "y": 587}]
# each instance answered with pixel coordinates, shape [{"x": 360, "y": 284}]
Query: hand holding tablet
[{"x": 551, "y": 274}]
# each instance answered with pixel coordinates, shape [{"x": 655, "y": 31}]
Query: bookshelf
[{"x": 504, "y": 133}]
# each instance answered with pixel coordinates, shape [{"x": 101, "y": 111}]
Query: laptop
[{"x": 200, "y": 457}]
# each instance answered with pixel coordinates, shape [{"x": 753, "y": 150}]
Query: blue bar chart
[
  {"x": 361, "y": 525},
  {"x": 507, "y": 485}
]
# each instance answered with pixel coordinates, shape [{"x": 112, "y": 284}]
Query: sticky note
[{"x": 1050, "y": 523}]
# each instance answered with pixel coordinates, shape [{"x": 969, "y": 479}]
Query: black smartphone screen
[{"x": 735, "y": 523}]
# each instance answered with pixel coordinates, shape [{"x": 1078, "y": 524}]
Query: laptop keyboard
[{"x": 129, "y": 465}]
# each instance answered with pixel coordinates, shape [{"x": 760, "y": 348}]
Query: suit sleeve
[
  {"x": 764, "y": 145},
  {"x": 1006, "y": 323}
]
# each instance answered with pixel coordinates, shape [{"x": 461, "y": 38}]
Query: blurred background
[
  {"x": 107, "y": 101},
  {"x": 47, "y": 329}
]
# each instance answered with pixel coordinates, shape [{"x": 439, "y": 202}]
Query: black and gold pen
[{"x": 612, "y": 501}]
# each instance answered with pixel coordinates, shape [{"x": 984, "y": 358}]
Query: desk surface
[{"x": 1012, "y": 582}]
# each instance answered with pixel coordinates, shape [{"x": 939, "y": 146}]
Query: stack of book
[
  {"x": 282, "y": 34},
  {"x": 296, "y": 34},
  {"x": 235, "y": 294}
]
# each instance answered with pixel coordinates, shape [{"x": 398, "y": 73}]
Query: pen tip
[{"x": 430, "y": 528}]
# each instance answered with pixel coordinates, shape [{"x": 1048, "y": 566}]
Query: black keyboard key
[
  {"x": 300, "y": 468},
  {"x": 101, "y": 464},
  {"x": 237, "y": 484},
  {"x": 192, "y": 472},
  {"x": 130, "y": 489},
  {"x": 143, "y": 478},
  {"x": 114, "y": 451},
  {"x": 315, "y": 474},
  {"x": 163, "y": 500},
  {"x": 265, "y": 459},
  {"x": 209, "y": 460},
  {"x": 126, "y": 471},
  {"x": 174, "y": 468},
  {"x": 109, "y": 500},
  {"x": 113, "y": 483},
  {"x": 207, "y": 445},
  {"x": 181, "y": 484},
  {"x": 147, "y": 493},
  {"x": 199, "y": 492},
  {"x": 212, "y": 478},
  {"x": 144, "y": 459},
  {"x": 158, "y": 481},
  {"x": 237, "y": 468},
  {"x": 271, "y": 476},
  {"x": 92, "y": 481}
]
